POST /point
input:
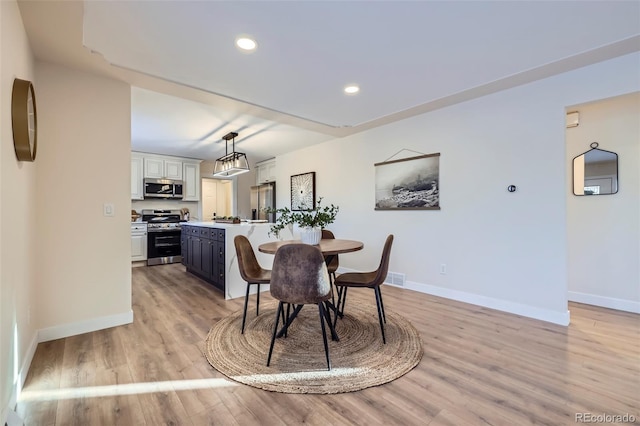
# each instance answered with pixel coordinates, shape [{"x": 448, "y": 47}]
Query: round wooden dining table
[{"x": 328, "y": 247}]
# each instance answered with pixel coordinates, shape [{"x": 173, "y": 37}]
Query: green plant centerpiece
[{"x": 308, "y": 220}]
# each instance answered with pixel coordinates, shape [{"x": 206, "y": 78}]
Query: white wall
[
  {"x": 83, "y": 257},
  {"x": 502, "y": 250},
  {"x": 18, "y": 256},
  {"x": 604, "y": 231}
]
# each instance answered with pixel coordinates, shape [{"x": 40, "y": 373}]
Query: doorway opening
[{"x": 217, "y": 198}]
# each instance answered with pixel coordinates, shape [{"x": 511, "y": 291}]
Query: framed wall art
[
  {"x": 303, "y": 191},
  {"x": 408, "y": 184}
]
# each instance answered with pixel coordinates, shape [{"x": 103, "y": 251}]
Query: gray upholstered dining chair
[
  {"x": 250, "y": 271},
  {"x": 373, "y": 280},
  {"x": 299, "y": 277}
]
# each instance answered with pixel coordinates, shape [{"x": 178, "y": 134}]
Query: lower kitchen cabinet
[
  {"x": 138, "y": 241},
  {"x": 203, "y": 253}
]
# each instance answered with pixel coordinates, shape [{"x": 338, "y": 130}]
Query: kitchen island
[{"x": 209, "y": 253}]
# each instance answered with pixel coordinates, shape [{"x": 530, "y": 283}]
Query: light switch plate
[{"x": 573, "y": 119}]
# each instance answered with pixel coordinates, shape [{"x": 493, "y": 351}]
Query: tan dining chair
[
  {"x": 299, "y": 277},
  {"x": 373, "y": 280},
  {"x": 334, "y": 262},
  {"x": 250, "y": 271}
]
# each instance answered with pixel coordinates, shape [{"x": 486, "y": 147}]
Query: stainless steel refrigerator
[{"x": 263, "y": 196}]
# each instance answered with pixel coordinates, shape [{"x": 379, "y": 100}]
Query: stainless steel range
[{"x": 163, "y": 236}]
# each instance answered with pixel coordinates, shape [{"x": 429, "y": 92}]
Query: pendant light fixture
[{"x": 231, "y": 163}]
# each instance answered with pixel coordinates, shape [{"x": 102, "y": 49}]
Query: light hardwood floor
[{"x": 479, "y": 367}]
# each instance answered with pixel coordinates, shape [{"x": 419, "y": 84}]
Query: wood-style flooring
[{"x": 479, "y": 367}]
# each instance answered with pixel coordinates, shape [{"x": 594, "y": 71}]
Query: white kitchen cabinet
[
  {"x": 138, "y": 241},
  {"x": 159, "y": 168},
  {"x": 173, "y": 169},
  {"x": 266, "y": 171},
  {"x": 191, "y": 181},
  {"x": 137, "y": 173},
  {"x": 153, "y": 167}
]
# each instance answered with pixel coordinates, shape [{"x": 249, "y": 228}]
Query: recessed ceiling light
[
  {"x": 246, "y": 43},
  {"x": 351, "y": 89}
]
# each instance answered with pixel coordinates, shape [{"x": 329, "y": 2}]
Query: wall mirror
[{"x": 595, "y": 172}]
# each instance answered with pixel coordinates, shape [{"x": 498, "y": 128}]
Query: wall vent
[{"x": 395, "y": 278}]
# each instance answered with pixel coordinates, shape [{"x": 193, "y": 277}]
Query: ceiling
[{"x": 191, "y": 85}]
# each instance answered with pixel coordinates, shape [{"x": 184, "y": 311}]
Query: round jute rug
[{"x": 298, "y": 364}]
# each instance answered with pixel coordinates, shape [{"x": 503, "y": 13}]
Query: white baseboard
[
  {"x": 11, "y": 418},
  {"x": 561, "y": 318},
  {"x": 605, "y": 302},
  {"x": 93, "y": 324},
  {"x": 9, "y": 415},
  {"x": 26, "y": 363}
]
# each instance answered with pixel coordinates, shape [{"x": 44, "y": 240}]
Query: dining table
[{"x": 329, "y": 247}]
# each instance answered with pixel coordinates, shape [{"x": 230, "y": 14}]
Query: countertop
[{"x": 212, "y": 224}]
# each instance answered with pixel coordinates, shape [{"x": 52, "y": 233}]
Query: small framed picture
[{"x": 303, "y": 191}]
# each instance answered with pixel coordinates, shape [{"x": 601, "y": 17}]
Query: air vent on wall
[{"x": 395, "y": 278}]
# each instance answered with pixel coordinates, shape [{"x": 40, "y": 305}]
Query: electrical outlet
[
  {"x": 108, "y": 209},
  {"x": 443, "y": 268}
]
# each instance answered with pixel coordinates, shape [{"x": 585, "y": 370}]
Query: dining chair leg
[
  {"x": 288, "y": 313},
  {"x": 246, "y": 302},
  {"x": 342, "y": 295},
  {"x": 324, "y": 334},
  {"x": 344, "y": 299},
  {"x": 258, "y": 301},
  {"x": 384, "y": 316},
  {"x": 327, "y": 311},
  {"x": 290, "y": 319},
  {"x": 284, "y": 320},
  {"x": 336, "y": 307},
  {"x": 327, "y": 315},
  {"x": 339, "y": 292},
  {"x": 378, "y": 303},
  {"x": 275, "y": 329},
  {"x": 333, "y": 293}
]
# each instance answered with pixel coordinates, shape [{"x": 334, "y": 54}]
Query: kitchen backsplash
[{"x": 167, "y": 205}]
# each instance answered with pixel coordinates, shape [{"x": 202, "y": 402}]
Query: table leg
[{"x": 294, "y": 314}]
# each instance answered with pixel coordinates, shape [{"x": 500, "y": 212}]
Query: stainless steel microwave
[{"x": 163, "y": 188}]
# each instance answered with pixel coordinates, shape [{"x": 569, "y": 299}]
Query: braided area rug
[{"x": 298, "y": 364}]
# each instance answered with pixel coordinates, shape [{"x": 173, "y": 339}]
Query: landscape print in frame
[{"x": 408, "y": 184}]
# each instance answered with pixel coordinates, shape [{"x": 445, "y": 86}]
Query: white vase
[{"x": 311, "y": 235}]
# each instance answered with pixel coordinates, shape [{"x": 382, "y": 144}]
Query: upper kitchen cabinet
[
  {"x": 159, "y": 168},
  {"x": 266, "y": 171},
  {"x": 156, "y": 166},
  {"x": 191, "y": 174},
  {"x": 137, "y": 174}
]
